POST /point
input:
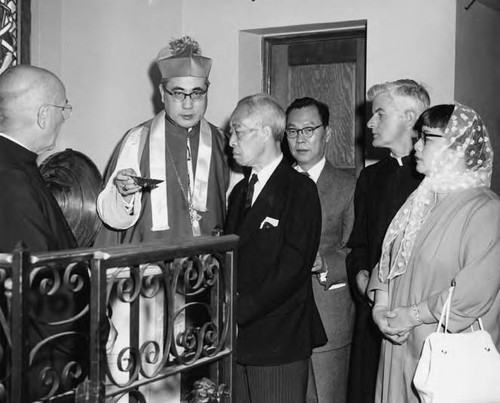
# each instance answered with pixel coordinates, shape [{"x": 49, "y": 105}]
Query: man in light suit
[
  {"x": 277, "y": 215},
  {"x": 308, "y": 133}
]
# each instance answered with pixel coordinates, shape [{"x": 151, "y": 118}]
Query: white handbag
[{"x": 458, "y": 367}]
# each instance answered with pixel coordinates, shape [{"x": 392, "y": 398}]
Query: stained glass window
[{"x": 14, "y": 42}]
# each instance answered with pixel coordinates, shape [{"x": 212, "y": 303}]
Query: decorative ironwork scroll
[
  {"x": 44, "y": 313},
  {"x": 192, "y": 329},
  {"x": 95, "y": 325}
]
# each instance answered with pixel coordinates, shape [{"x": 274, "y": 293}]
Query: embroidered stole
[{"x": 157, "y": 168}]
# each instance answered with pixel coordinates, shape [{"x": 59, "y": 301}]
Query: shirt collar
[
  {"x": 265, "y": 173},
  {"x": 315, "y": 171}
]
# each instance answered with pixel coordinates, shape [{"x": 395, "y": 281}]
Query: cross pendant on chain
[
  {"x": 193, "y": 215},
  {"x": 195, "y": 221}
]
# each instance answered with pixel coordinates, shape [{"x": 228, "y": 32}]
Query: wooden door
[{"x": 331, "y": 68}]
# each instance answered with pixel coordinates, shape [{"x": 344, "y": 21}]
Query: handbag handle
[{"x": 445, "y": 312}]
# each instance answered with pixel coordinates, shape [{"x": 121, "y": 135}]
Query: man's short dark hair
[{"x": 322, "y": 108}]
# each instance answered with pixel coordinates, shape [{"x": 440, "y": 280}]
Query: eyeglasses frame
[
  {"x": 184, "y": 94},
  {"x": 63, "y": 108},
  {"x": 424, "y": 136},
  {"x": 298, "y": 131}
]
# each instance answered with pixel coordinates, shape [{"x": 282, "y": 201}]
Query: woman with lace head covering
[{"x": 448, "y": 229}]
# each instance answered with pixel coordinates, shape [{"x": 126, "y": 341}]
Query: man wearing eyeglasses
[
  {"x": 33, "y": 107},
  {"x": 308, "y": 132},
  {"x": 277, "y": 215},
  {"x": 180, "y": 150}
]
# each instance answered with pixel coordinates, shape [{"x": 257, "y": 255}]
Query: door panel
[
  {"x": 338, "y": 94},
  {"x": 330, "y": 67}
]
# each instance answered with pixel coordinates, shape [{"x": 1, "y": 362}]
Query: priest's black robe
[
  {"x": 381, "y": 190},
  {"x": 29, "y": 213}
]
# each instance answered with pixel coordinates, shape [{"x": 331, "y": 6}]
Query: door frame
[{"x": 360, "y": 113}]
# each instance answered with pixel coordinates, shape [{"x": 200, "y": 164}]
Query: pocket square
[{"x": 269, "y": 223}]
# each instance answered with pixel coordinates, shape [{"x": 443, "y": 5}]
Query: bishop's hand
[{"x": 124, "y": 182}]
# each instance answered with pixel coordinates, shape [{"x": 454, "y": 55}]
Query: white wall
[
  {"x": 103, "y": 50},
  {"x": 405, "y": 38}
]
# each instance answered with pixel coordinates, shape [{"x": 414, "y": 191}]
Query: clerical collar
[
  {"x": 14, "y": 140},
  {"x": 188, "y": 130},
  {"x": 315, "y": 171},
  {"x": 399, "y": 159}
]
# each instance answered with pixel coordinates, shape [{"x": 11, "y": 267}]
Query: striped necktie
[{"x": 250, "y": 188}]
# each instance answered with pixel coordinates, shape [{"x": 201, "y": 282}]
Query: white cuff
[{"x": 129, "y": 205}]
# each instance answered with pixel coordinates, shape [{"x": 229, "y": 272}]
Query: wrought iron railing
[{"x": 132, "y": 323}]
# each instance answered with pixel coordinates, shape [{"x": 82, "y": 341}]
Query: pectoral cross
[{"x": 195, "y": 221}]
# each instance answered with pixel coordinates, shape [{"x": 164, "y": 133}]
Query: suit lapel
[
  {"x": 264, "y": 203},
  {"x": 324, "y": 180}
]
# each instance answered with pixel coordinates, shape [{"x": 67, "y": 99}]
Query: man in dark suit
[
  {"x": 277, "y": 215},
  {"x": 381, "y": 190},
  {"x": 308, "y": 132}
]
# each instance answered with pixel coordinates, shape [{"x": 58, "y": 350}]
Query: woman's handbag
[{"x": 458, "y": 367}]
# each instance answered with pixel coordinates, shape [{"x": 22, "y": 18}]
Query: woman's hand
[
  {"x": 404, "y": 318},
  {"x": 385, "y": 320}
]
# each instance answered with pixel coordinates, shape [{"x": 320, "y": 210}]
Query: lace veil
[{"x": 464, "y": 162}]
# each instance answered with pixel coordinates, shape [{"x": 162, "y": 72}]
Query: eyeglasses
[
  {"x": 241, "y": 133},
  {"x": 306, "y": 131},
  {"x": 66, "y": 110},
  {"x": 180, "y": 96},
  {"x": 423, "y": 136}
]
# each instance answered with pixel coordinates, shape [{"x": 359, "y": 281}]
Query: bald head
[
  {"x": 25, "y": 87},
  {"x": 25, "y": 92}
]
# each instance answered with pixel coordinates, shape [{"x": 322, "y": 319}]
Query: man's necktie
[
  {"x": 250, "y": 189},
  {"x": 306, "y": 174}
]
